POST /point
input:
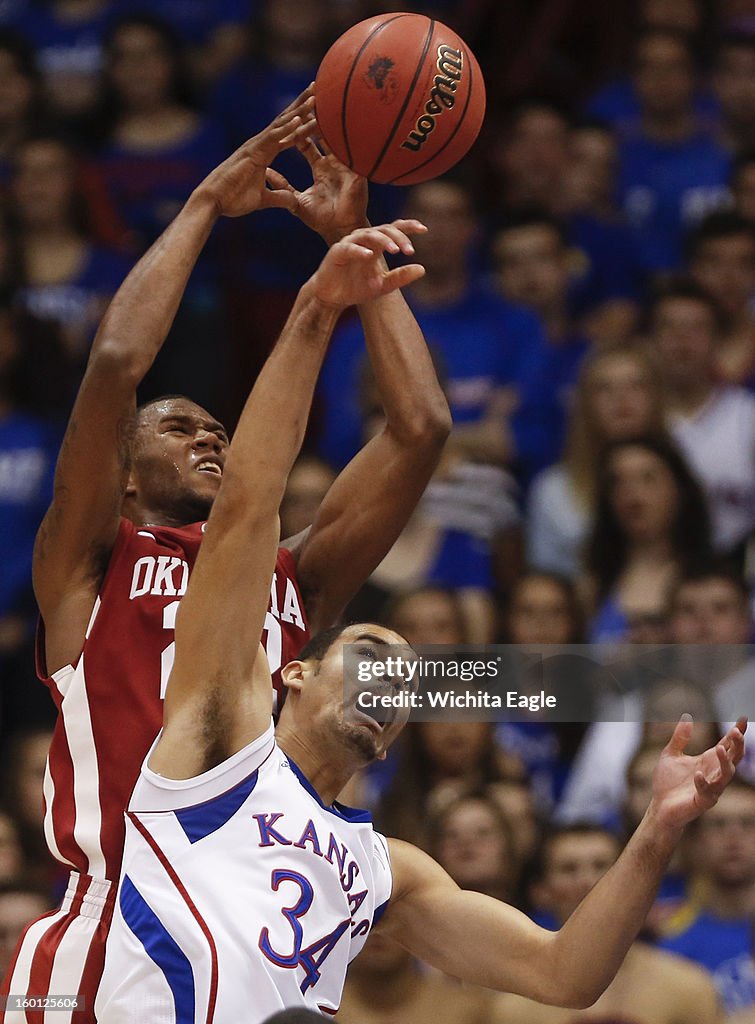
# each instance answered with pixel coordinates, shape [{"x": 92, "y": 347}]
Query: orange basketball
[{"x": 399, "y": 98}]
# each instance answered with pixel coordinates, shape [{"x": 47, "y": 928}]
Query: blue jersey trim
[
  {"x": 379, "y": 911},
  {"x": 203, "y": 819},
  {"x": 353, "y": 814},
  {"x": 161, "y": 948}
]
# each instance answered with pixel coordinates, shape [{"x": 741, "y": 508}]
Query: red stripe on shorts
[{"x": 44, "y": 955}]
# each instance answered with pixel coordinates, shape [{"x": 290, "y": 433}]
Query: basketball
[{"x": 399, "y": 98}]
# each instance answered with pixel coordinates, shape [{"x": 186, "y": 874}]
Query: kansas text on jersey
[{"x": 241, "y": 893}]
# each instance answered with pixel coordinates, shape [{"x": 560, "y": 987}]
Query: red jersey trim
[{"x": 171, "y": 873}]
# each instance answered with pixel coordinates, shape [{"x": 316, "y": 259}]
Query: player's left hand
[
  {"x": 685, "y": 787},
  {"x": 335, "y": 204},
  {"x": 354, "y": 270}
]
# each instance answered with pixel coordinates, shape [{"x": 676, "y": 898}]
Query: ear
[
  {"x": 292, "y": 675},
  {"x": 130, "y": 491}
]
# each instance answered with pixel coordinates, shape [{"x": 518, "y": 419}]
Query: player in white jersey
[{"x": 246, "y": 887}]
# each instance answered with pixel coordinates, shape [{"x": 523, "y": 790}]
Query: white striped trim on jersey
[
  {"x": 71, "y": 953},
  {"x": 77, "y": 723},
  {"x": 70, "y": 682}
]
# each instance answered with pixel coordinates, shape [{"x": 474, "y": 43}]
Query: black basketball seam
[
  {"x": 448, "y": 141},
  {"x": 411, "y": 89},
  {"x": 362, "y": 48}
]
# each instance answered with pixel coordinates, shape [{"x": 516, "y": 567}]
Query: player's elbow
[
  {"x": 117, "y": 363},
  {"x": 568, "y": 985},
  {"x": 427, "y": 427}
]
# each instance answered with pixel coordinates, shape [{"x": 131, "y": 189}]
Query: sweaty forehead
[{"x": 162, "y": 409}]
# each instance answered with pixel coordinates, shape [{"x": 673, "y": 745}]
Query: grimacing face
[
  {"x": 178, "y": 453},
  {"x": 326, "y": 702}
]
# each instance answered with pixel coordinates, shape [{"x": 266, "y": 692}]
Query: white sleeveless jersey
[{"x": 241, "y": 893}]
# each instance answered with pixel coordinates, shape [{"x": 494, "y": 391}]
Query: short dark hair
[
  {"x": 712, "y": 568},
  {"x": 318, "y": 646},
  {"x": 577, "y": 829},
  {"x": 719, "y": 224},
  {"x": 531, "y": 216},
  {"x": 538, "y": 104},
  {"x": 160, "y": 398},
  {"x": 675, "y": 35},
  {"x": 686, "y": 288},
  {"x": 734, "y": 40},
  {"x": 295, "y": 1015},
  {"x": 743, "y": 160}
]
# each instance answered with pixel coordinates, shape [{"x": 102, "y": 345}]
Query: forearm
[
  {"x": 272, "y": 425},
  {"x": 142, "y": 311},
  {"x": 591, "y": 945},
  {"x": 415, "y": 406}
]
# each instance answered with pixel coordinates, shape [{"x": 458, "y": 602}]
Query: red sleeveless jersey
[{"x": 110, "y": 701}]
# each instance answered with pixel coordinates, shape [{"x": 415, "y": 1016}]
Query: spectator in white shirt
[{"x": 713, "y": 424}]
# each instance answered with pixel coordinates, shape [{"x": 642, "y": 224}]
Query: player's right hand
[
  {"x": 354, "y": 270},
  {"x": 239, "y": 185}
]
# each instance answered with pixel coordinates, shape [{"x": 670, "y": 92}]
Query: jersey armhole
[{"x": 154, "y": 792}]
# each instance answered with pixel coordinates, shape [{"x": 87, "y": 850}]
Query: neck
[
  {"x": 545, "y": 194},
  {"x": 730, "y": 901},
  {"x": 441, "y": 288},
  {"x": 326, "y": 778},
  {"x": 150, "y": 110},
  {"x": 654, "y": 551},
  {"x": 142, "y": 516},
  {"x": 292, "y": 56},
  {"x": 667, "y": 127},
  {"x": 58, "y": 230},
  {"x": 690, "y": 397},
  {"x": 556, "y": 323},
  {"x": 388, "y": 991}
]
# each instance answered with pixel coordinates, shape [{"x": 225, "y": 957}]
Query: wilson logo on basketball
[{"x": 450, "y": 64}]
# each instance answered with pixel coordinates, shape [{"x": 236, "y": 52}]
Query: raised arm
[
  {"x": 219, "y": 694},
  {"x": 372, "y": 499},
  {"x": 78, "y": 532},
  {"x": 484, "y": 941}
]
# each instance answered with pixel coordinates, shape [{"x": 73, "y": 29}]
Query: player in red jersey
[{"x": 116, "y": 548}]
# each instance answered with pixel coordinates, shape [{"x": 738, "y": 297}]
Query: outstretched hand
[
  {"x": 685, "y": 787},
  {"x": 354, "y": 270},
  {"x": 335, "y": 204},
  {"x": 239, "y": 185}
]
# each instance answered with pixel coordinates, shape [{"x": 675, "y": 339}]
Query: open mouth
[
  {"x": 376, "y": 717},
  {"x": 210, "y": 467}
]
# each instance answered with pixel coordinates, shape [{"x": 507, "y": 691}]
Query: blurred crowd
[{"x": 589, "y": 300}]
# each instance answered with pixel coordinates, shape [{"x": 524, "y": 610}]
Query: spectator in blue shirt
[
  {"x": 485, "y": 346},
  {"x": 605, "y": 275},
  {"x": 672, "y": 171},
  {"x": 214, "y": 30},
  {"x": 21, "y": 105},
  {"x": 534, "y": 160},
  {"x": 484, "y": 342},
  {"x": 617, "y": 102},
  {"x": 159, "y": 146},
  {"x": 66, "y": 277},
  {"x": 69, "y": 41},
  {"x": 28, "y": 449},
  {"x": 715, "y": 928},
  {"x": 721, "y": 255},
  {"x": 532, "y": 258},
  {"x": 734, "y": 81}
]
